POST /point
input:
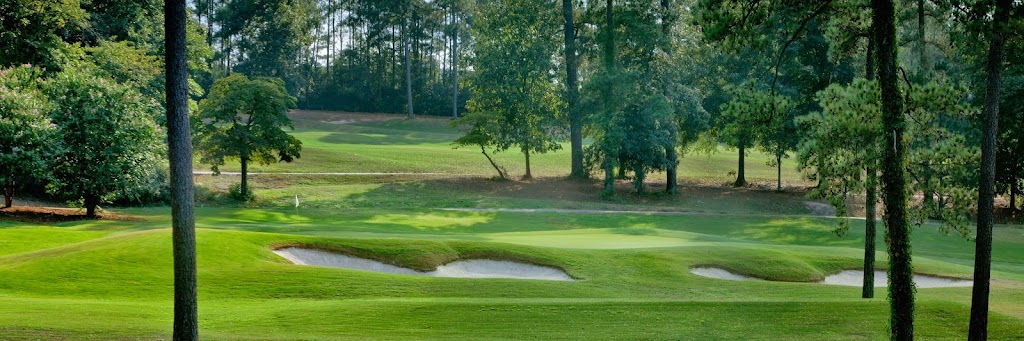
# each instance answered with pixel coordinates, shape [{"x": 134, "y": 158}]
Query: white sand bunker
[
  {"x": 477, "y": 268},
  {"x": 853, "y": 278},
  {"x": 720, "y": 274}
]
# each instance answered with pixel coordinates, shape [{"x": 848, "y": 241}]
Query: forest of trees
[{"x": 897, "y": 102}]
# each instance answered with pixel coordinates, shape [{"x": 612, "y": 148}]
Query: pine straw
[{"x": 44, "y": 215}]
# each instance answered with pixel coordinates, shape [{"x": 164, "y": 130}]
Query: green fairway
[
  {"x": 395, "y": 145},
  {"x": 631, "y": 256}
]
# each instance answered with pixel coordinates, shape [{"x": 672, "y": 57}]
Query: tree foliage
[
  {"x": 27, "y": 138},
  {"x": 243, "y": 119},
  {"x": 514, "y": 78},
  {"x": 110, "y": 143}
]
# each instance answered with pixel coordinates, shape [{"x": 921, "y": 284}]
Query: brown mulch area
[{"x": 44, "y": 215}]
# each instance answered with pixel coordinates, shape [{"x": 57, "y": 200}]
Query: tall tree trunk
[
  {"x": 330, "y": 36},
  {"x": 609, "y": 42},
  {"x": 871, "y": 197},
  {"x": 9, "y": 194},
  {"x": 1013, "y": 198},
  {"x": 91, "y": 201},
  {"x": 455, "y": 66},
  {"x": 741, "y": 179},
  {"x": 870, "y": 212},
  {"x": 778, "y": 169},
  {"x": 244, "y": 187},
  {"x": 639, "y": 176},
  {"x": 408, "y": 74},
  {"x": 901, "y": 277},
  {"x": 609, "y": 177},
  {"x": 986, "y": 185},
  {"x": 179, "y": 142},
  {"x": 671, "y": 185},
  {"x": 529, "y": 174},
  {"x": 572, "y": 93},
  {"x": 922, "y": 44}
]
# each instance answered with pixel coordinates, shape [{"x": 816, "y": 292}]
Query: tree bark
[
  {"x": 572, "y": 93},
  {"x": 408, "y": 73},
  {"x": 1013, "y": 197},
  {"x": 671, "y": 185},
  {"x": 921, "y": 44},
  {"x": 179, "y": 141},
  {"x": 9, "y": 195},
  {"x": 529, "y": 175},
  {"x": 870, "y": 212},
  {"x": 901, "y": 281},
  {"x": 244, "y": 187},
  {"x": 455, "y": 65},
  {"x": 609, "y": 177},
  {"x": 91, "y": 201},
  {"x": 609, "y": 31},
  {"x": 501, "y": 172},
  {"x": 986, "y": 185},
  {"x": 778, "y": 169},
  {"x": 741, "y": 180},
  {"x": 871, "y": 197}
]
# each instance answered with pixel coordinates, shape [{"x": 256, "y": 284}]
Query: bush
[{"x": 235, "y": 192}]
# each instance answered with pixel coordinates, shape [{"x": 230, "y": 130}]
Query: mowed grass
[
  {"x": 633, "y": 271},
  {"x": 424, "y": 145},
  {"x": 112, "y": 280}
]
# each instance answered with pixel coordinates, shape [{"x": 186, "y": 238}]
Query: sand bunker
[
  {"x": 476, "y": 268},
  {"x": 721, "y": 274},
  {"x": 854, "y": 278}
]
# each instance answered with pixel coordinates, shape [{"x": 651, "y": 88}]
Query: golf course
[{"x": 384, "y": 188}]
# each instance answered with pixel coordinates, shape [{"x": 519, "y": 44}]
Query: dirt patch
[{"x": 45, "y": 215}]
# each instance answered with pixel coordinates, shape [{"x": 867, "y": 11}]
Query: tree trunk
[
  {"x": 501, "y": 172},
  {"x": 986, "y": 185},
  {"x": 928, "y": 197},
  {"x": 408, "y": 73},
  {"x": 244, "y": 187},
  {"x": 179, "y": 141},
  {"x": 572, "y": 93},
  {"x": 9, "y": 195},
  {"x": 455, "y": 66},
  {"x": 871, "y": 197},
  {"x": 609, "y": 178},
  {"x": 91, "y": 201},
  {"x": 922, "y": 47},
  {"x": 622, "y": 166},
  {"x": 778, "y": 169},
  {"x": 741, "y": 180},
  {"x": 639, "y": 176},
  {"x": 901, "y": 280},
  {"x": 870, "y": 212},
  {"x": 671, "y": 185},
  {"x": 1013, "y": 197},
  {"x": 529, "y": 175}
]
